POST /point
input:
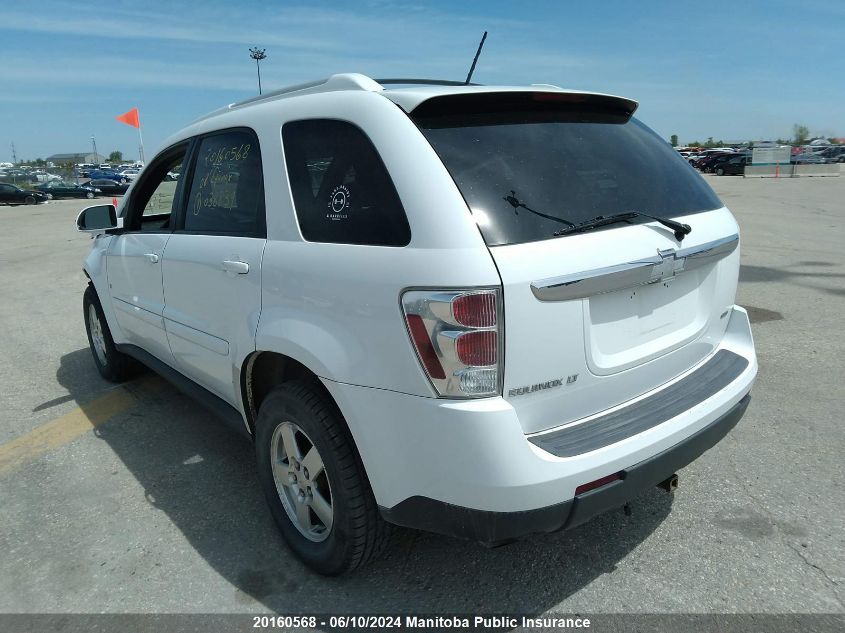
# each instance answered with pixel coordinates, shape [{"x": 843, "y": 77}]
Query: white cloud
[
  {"x": 76, "y": 72},
  {"x": 377, "y": 38}
]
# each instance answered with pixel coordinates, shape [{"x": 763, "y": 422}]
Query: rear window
[
  {"x": 526, "y": 170},
  {"x": 341, "y": 189}
]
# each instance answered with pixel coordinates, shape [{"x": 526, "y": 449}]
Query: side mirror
[{"x": 98, "y": 219}]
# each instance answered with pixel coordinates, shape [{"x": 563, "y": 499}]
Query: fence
[
  {"x": 26, "y": 180},
  {"x": 792, "y": 171}
]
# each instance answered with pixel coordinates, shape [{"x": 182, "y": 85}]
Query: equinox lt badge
[{"x": 551, "y": 384}]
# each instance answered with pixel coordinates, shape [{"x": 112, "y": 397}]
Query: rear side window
[
  {"x": 227, "y": 196},
  {"x": 527, "y": 170},
  {"x": 341, "y": 188}
]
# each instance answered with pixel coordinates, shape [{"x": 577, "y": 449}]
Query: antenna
[{"x": 475, "y": 59}]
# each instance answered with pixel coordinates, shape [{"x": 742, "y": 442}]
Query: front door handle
[
  {"x": 153, "y": 257},
  {"x": 241, "y": 268}
]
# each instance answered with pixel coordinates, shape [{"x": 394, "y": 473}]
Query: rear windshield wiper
[
  {"x": 681, "y": 230},
  {"x": 516, "y": 203}
]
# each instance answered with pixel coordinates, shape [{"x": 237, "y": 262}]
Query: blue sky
[{"x": 733, "y": 70}]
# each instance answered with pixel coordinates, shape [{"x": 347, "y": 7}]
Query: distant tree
[
  {"x": 674, "y": 140},
  {"x": 116, "y": 157},
  {"x": 800, "y": 133},
  {"x": 694, "y": 144},
  {"x": 66, "y": 168}
]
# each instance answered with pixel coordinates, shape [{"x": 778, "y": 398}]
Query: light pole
[
  {"x": 258, "y": 54},
  {"x": 94, "y": 144}
]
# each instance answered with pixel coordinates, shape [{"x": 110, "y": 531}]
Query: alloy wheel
[
  {"x": 97, "y": 338},
  {"x": 301, "y": 481}
]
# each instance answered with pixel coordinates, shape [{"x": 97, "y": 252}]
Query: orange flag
[{"x": 130, "y": 118}]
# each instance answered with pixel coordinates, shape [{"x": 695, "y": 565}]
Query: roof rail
[
  {"x": 425, "y": 82},
  {"x": 342, "y": 81}
]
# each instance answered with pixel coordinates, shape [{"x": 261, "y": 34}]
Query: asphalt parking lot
[{"x": 132, "y": 499}]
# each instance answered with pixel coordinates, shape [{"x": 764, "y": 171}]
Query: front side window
[
  {"x": 153, "y": 199},
  {"x": 161, "y": 200},
  {"x": 227, "y": 193},
  {"x": 341, "y": 188}
]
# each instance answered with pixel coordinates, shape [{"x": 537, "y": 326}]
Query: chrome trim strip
[
  {"x": 697, "y": 256},
  {"x": 665, "y": 264}
]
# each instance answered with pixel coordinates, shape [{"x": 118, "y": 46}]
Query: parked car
[
  {"x": 41, "y": 176},
  {"x": 427, "y": 316},
  {"x": 807, "y": 158},
  {"x": 697, "y": 158},
  {"x": 130, "y": 174},
  {"x": 109, "y": 187},
  {"x": 732, "y": 167},
  {"x": 62, "y": 189},
  {"x": 833, "y": 154},
  {"x": 11, "y": 194},
  {"x": 106, "y": 174},
  {"x": 708, "y": 164}
]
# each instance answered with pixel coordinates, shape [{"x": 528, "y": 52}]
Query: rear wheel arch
[{"x": 262, "y": 371}]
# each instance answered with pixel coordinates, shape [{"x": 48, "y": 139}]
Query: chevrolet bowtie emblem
[{"x": 669, "y": 266}]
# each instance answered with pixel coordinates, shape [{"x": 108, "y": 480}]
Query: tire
[
  {"x": 720, "y": 171},
  {"x": 89, "y": 194},
  {"x": 29, "y": 200},
  {"x": 112, "y": 365},
  {"x": 356, "y": 532}
]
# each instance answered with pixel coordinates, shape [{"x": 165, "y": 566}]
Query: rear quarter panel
[{"x": 336, "y": 307}]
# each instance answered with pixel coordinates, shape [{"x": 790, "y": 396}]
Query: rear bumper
[
  {"x": 467, "y": 467},
  {"x": 493, "y": 527}
]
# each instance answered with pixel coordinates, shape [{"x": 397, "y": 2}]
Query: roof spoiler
[{"x": 483, "y": 108}]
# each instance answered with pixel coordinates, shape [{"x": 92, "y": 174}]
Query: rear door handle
[
  {"x": 153, "y": 257},
  {"x": 241, "y": 268}
]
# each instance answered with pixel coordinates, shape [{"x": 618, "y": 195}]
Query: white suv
[
  {"x": 480, "y": 311},
  {"x": 130, "y": 174}
]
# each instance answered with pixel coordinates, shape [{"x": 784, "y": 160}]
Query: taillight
[
  {"x": 478, "y": 349},
  {"x": 476, "y": 309},
  {"x": 457, "y": 339},
  {"x": 424, "y": 347}
]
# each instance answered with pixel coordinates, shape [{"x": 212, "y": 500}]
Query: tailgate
[{"x": 594, "y": 320}]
